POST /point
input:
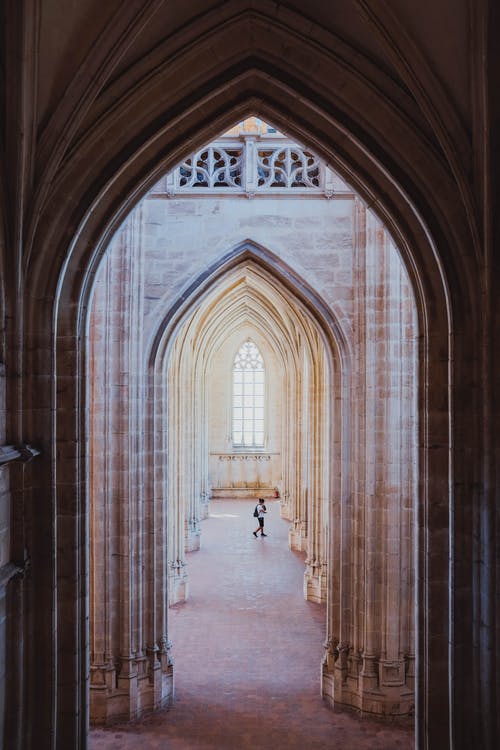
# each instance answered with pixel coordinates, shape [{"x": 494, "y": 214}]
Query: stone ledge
[{"x": 240, "y": 492}]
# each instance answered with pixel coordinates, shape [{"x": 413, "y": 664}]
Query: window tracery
[{"x": 248, "y": 397}]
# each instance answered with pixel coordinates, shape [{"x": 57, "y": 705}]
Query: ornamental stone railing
[{"x": 251, "y": 165}]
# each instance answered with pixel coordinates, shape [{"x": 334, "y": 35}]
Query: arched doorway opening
[
  {"x": 419, "y": 221},
  {"x": 347, "y": 467},
  {"x": 248, "y": 301}
]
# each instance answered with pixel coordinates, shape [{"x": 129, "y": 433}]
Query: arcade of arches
[
  {"x": 338, "y": 435},
  {"x": 135, "y": 262}
]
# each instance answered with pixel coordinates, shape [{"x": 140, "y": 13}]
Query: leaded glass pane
[{"x": 248, "y": 396}]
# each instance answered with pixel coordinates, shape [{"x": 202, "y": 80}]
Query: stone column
[
  {"x": 177, "y": 466},
  {"x": 129, "y": 440},
  {"x": 204, "y": 456},
  {"x": 113, "y": 497},
  {"x": 123, "y": 676},
  {"x": 287, "y": 451},
  {"x": 102, "y": 669},
  {"x": 315, "y": 575},
  {"x": 194, "y": 381},
  {"x": 369, "y": 654},
  {"x": 161, "y": 671},
  {"x": 393, "y": 471},
  {"x": 299, "y": 490}
]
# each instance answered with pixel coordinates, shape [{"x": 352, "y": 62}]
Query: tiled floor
[{"x": 247, "y": 650}]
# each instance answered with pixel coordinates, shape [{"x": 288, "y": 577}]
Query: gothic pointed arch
[
  {"x": 248, "y": 294},
  {"x": 252, "y": 293},
  {"x": 91, "y": 198},
  {"x": 250, "y": 251}
]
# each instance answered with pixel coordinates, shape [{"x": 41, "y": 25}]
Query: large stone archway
[
  {"x": 345, "y": 466},
  {"x": 79, "y": 529},
  {"x": 394, "y": 169}
]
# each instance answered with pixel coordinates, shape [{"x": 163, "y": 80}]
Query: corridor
[{"x": 247, "y": 651}]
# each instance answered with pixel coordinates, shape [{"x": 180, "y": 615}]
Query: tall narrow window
[{"x": 248, "y": 397}]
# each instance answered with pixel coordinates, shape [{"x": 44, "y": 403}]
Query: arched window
[{"x": 248, "y": 397}]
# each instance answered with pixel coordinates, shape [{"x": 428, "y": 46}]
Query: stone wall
[{"x": 312, "y": 235}]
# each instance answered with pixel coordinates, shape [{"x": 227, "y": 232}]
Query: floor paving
[{"x": 247, "y": 650}]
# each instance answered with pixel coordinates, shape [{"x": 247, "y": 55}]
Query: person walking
[{"x": 261, "y": 511}]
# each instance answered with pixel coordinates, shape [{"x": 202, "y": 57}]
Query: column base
[
  {"x": 115, "y": 699},
  {"x": 286, "y": 507},
  {"x": 177, "y": 584},
  {"x": 315, "y": 582},
  {"x": 345, "y": 683},
  {"x": 204, "y": 506},
  {"x": 192, "y": 534},
  {"x": 297, "y": 536},
  {"x": 389, "y": 703},
  {"x": 192, "y": 543}
]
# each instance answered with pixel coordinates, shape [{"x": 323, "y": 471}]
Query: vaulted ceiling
[
  {"x": 88, "y": 44},
  {"x": 71, "y": 53},
  {"x": 88, "y": 85}
]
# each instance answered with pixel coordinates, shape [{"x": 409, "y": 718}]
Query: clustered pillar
[
  {"x": 131, "y": 671},
  {"x": 369, "y": 654}
]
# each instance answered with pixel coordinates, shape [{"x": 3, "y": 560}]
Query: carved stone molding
[
  {"x": 244, "y": 457},
  {"x": 22, "y": 453}
]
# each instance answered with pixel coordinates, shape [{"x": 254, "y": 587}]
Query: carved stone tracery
[
  {"x": 288, "y": 167},
  {"x": 251, "y": 165},
  {"x": 212, "y": 167}
]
